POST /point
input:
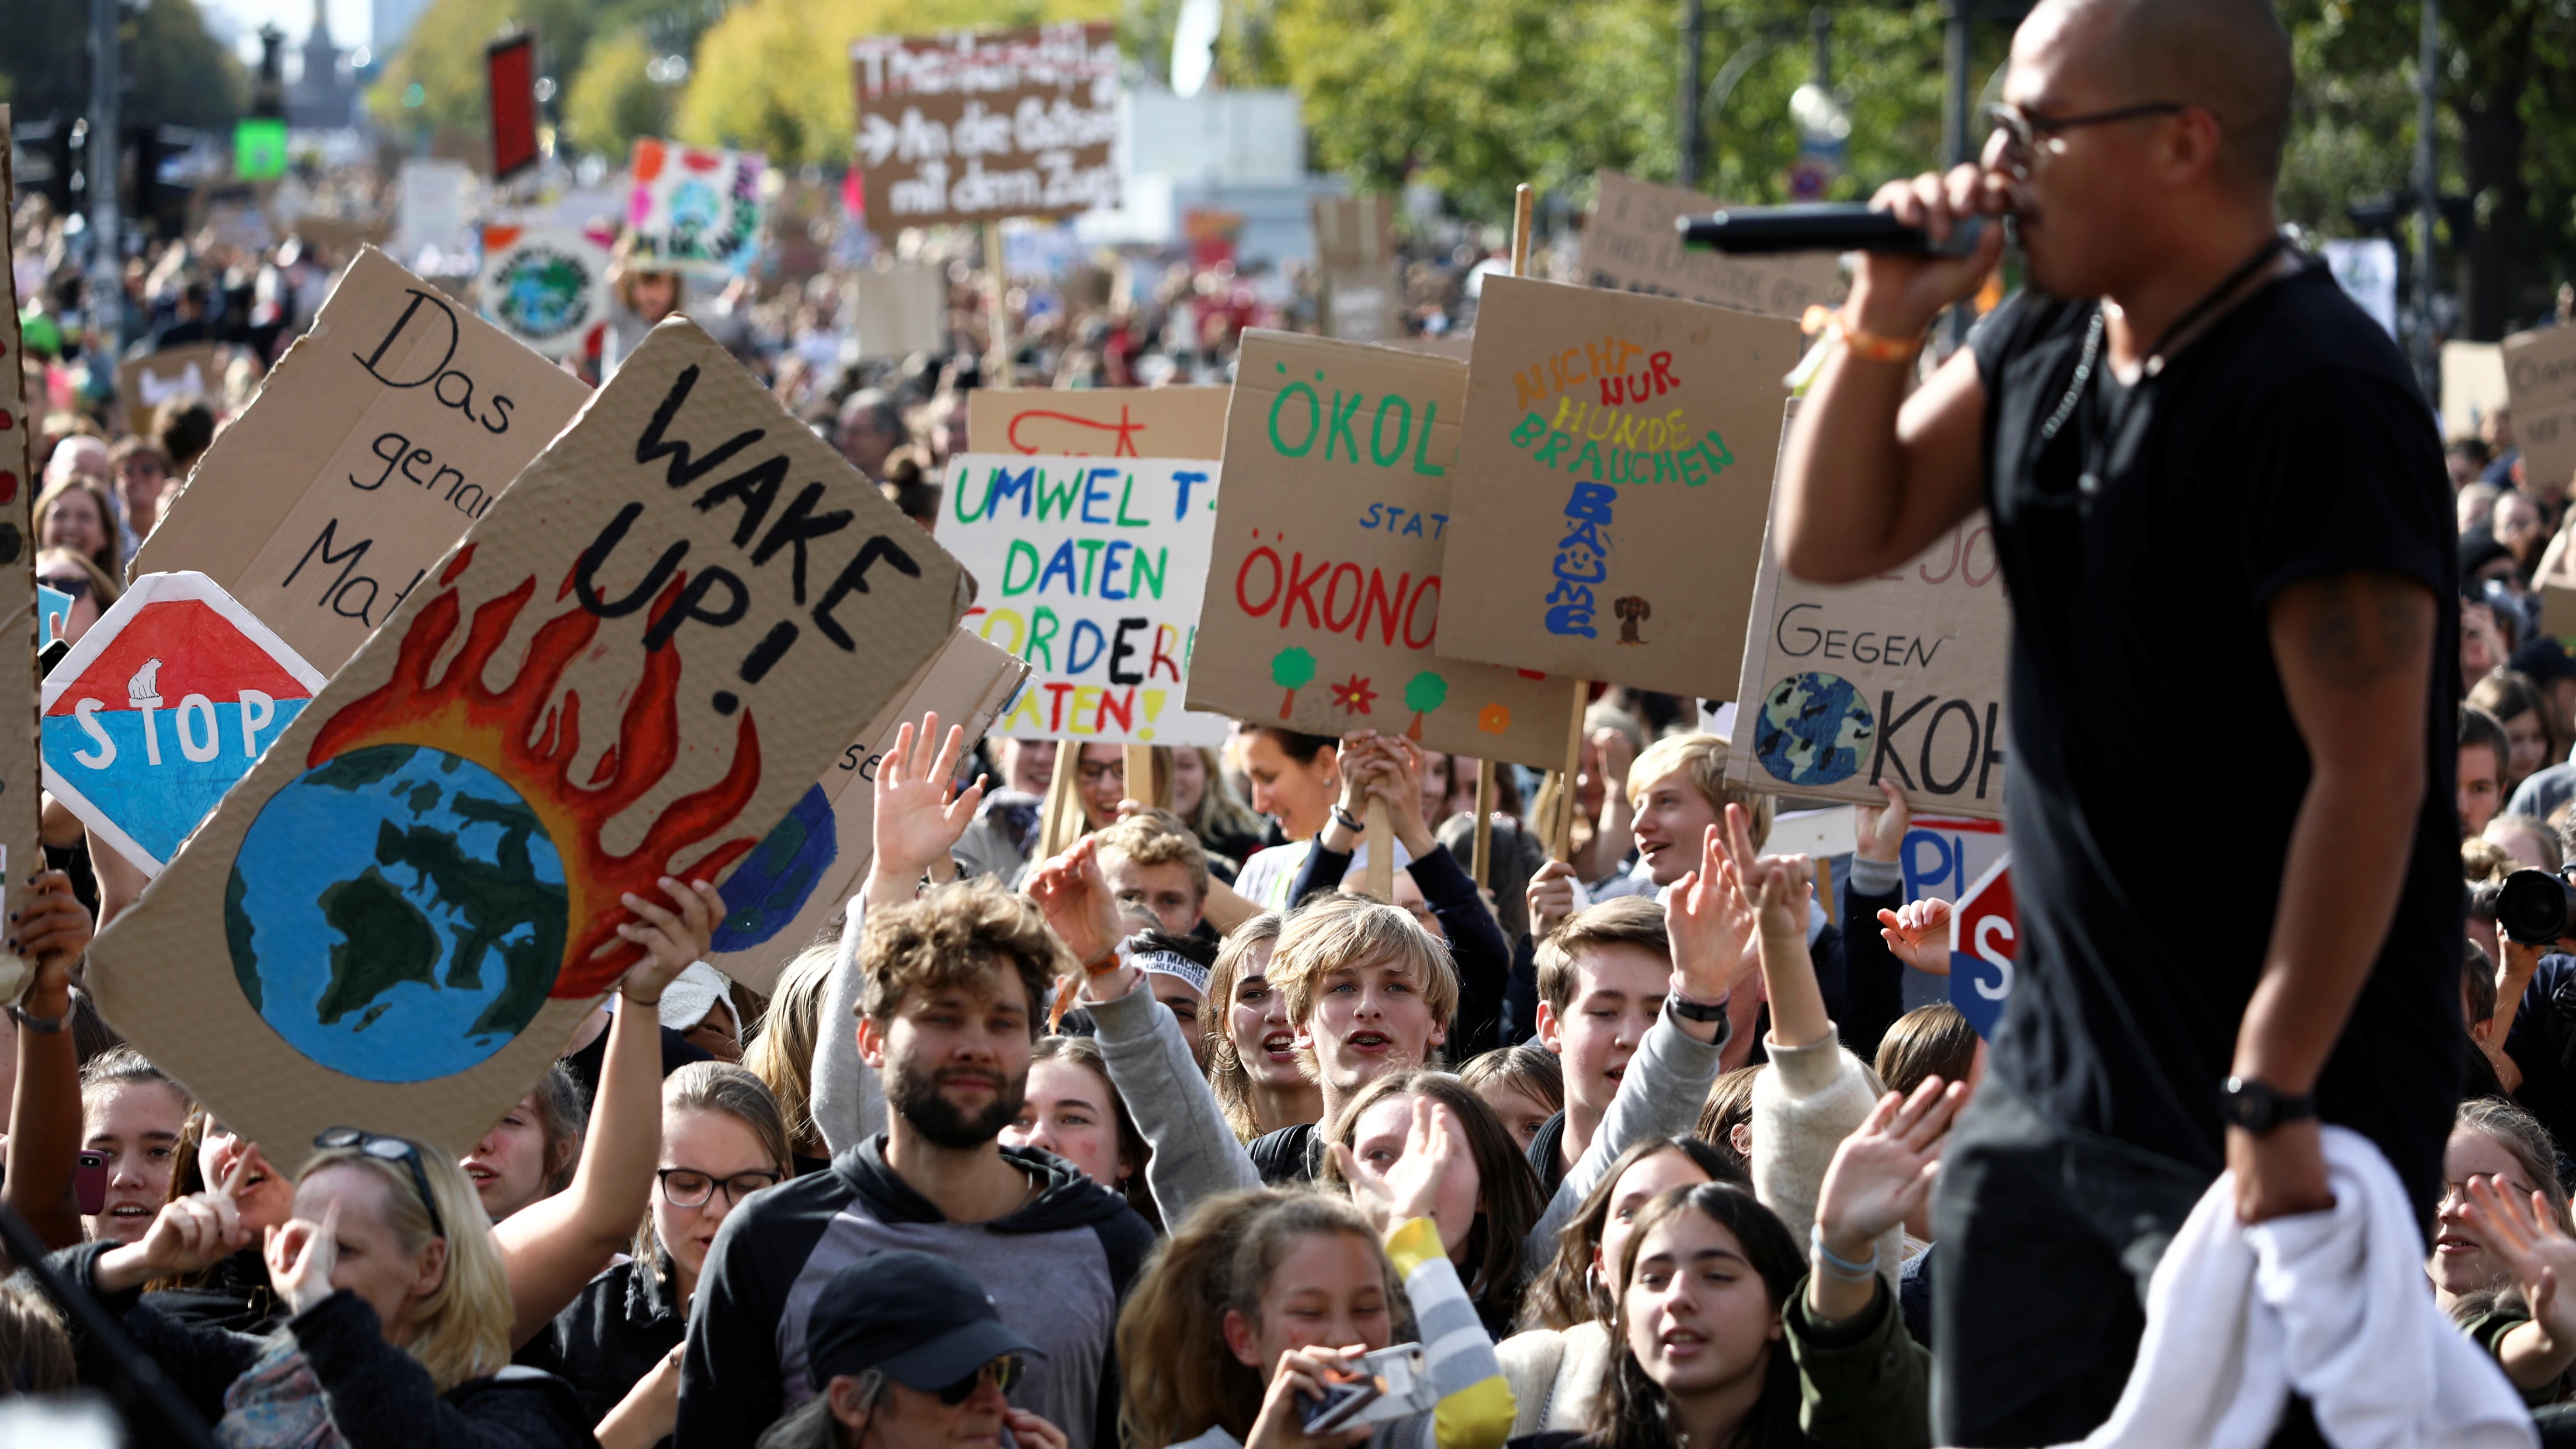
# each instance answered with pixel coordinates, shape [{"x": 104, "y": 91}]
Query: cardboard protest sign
[
  {"x": 545, "y": 286},
  {"x": 2472, "y": 385},
  {"x": 1898, "y": 678},
  {"x": 1324, "y": 599},
  {"x": 683, "y": 610},
  {"x": 1629, "y": 245},
  {"x": 2540, "y": 374},
  {"x": 1983, "y": 929},
  {"x": 1622, "y": 450},
  {"x": 1091, "y": 570},
  {"x": 1101, "y": 422},
  {"x": 161, "y": 706},
  {"x": 806, "y": 868},
  {"x": 21, "y": 851},
  {"x": 376, "y": 441},
  {"x": 694, "y": 209},
  {"x": 976, "y": 127},
  {"x": 193, "y": 372},
  {"x": 898, "y": 308}
]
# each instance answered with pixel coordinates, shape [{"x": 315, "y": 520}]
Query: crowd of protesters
[{"x": 1153, "y": 1138}]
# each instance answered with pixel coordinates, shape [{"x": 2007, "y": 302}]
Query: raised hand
[
  {"x": 191, "y": 1234},
  {"x": 1395, "y": 777},
  {"x": 1711, "y": 922},
  {"x": 1032, "y": 1431},
  {"x": 1781, "y": 889},
  {"x": 52, "y": 930},
  {"x": 1918, "y": 933},
  {"x": 917, "y": 819},
  {"x": 1881, "y": 1172},
  {"x": 1075, "y": 897},
  {"x": 1550, "y": 897},
  {"x": 1879, "y": 830},
  {"x": 301, "y": 1255},
  {"x": 1409, "y": 1188},
  {"x": 2523, "y": 1233},
  {"x": 671, "y": 937}
]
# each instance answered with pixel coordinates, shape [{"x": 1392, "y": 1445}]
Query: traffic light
[{"x": 52, "y": 158}]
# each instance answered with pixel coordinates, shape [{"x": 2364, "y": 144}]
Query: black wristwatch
[
  {"x": 2259, "y": 1107},
  {"x": 1689, "y": 1010}
]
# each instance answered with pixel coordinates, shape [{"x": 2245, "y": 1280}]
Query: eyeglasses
[
  {"x": 2023, "y": 132},
  {"x": 76, "y": 585},
  {"x": 1001, "y": 1373},
  {"x": 688, "y": 1187},
  {"x": 1094, "y": 773},
  {"x": 389, "y": 1149}
]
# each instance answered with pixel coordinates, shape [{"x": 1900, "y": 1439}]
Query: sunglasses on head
[
  {"x": 388, "y": 1149},
  {"x": 1003, "y": 1372}
]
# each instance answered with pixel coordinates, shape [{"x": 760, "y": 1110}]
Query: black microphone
[{"x": 1834, "y": 226}]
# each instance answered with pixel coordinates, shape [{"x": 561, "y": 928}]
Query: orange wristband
[
  {"x": 1874, "y": 346},
  {"x": 1102, "y": 964}
]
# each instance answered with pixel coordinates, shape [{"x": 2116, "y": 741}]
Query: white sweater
[{"x": 1813, "y": 1097}]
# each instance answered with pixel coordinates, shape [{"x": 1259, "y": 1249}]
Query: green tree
[
  {"x": 176, "y": 73},
  {"x": 2508, "y": 98},
  {"x": 611, "y": 100}
]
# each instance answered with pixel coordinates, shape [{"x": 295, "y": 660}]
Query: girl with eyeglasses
[
  {"x": 399, "y": 1327},
  {"x": 723, "y": 1139}
]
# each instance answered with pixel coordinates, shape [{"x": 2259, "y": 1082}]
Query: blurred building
[{"x": 325, "y": 96}]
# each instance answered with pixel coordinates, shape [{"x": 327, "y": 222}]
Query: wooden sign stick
[
  {"x": 1053, "y": 831},
  {"x": 1481, "y": 855},
  {"x": 1381, "y": 861},
  {"x": 1570, "y": 796},
  {"x": 1001, "y": 278},
  {"x": 1144, "y": 786}
]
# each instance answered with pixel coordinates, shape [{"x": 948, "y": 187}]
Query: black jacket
[
  {"x": 611, "y": 1336},
  {"x": 1057, "y": 1270},
  {"x": 380, "y": 1397}
]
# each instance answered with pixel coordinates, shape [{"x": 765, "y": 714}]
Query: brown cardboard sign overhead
[
  {"x": 21, "y": 764},
  {"x": 160, "y": 380},
  {"x": 805, "y": 870},
  {"x": 1622, "y": 448},
  {"x": 1324, "y": 605},
  {"x": 655, "y": 643},
  {"x": 1899, "y": 677},
  {"x": 1098, "y": 422},
  {"x": 1629, "y": 245},
  {"x": 380, "y": 437},
  {"x": 992, "y": 124},
  {"x": 2540, "y": 376}
]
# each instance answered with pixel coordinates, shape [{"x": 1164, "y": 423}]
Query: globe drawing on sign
[
  {"x": 397, "y": 913},
  {"x": 1813, "y": 730},
  {"x": 775, "y": 881},
  {"x": 696, "y": 213},
  {"x": 542, "y": 293}
]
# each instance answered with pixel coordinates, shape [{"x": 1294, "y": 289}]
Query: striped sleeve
[{"x": 1476, "y": 1406}]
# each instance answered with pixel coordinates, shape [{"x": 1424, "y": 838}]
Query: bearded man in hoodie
[{"x": 955, "y": 992}]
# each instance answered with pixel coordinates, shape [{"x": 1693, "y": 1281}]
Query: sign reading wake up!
[{"x": 655, "y": 643}]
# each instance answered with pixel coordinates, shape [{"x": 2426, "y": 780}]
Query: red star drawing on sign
[{"x": 1354, "y": 695}]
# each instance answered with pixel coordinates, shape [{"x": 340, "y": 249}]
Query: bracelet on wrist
[
  {"x": 1106, "y": 962},
  {"x": 1834, "y": 1265},
  {"x": 41, "y": 1025},
  {"x": 1347, "y": 821},
  {"x": 1876, "y": 346}
]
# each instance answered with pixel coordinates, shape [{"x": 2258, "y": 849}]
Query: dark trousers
[{"x": 2048, "y": 1239}]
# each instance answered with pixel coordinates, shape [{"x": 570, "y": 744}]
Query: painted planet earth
[
  {"x": 544, "y": 293},
  {"x": 397, "y": 913},
  {"x": 775, "y": 881},
  {"x": 1814, "y": 730}
]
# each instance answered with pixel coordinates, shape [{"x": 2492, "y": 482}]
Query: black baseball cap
[
  {"x": 2544, "y": 659},
  {"x": 922, "y": 1320}
]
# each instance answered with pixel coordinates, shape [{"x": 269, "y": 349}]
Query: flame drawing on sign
[{"x": 519, "y": 733}]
